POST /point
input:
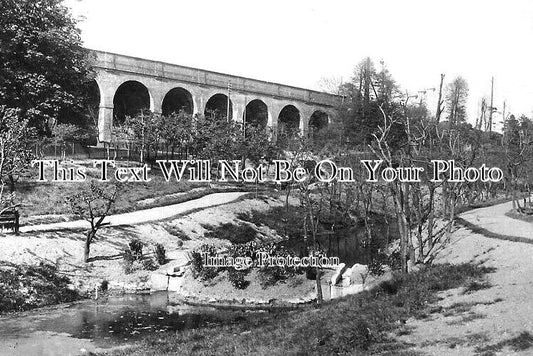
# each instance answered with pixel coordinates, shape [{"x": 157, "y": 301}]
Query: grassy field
[{"x": 362, "y": 324}]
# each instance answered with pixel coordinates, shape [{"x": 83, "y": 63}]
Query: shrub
[
  {"x": 149, "y": 264},
  {"x": 198, "y": 269},
  {"x": 288, "y": 223},
  {"x": 197, "y": 263},
  {"x": 136, "y": 247},
  {"x": 176, "y": 231},
  {"x": 377, "y": 264},
  {"x": 237, "y": 278},
  {"x": 310, "y": 273},
  {"x": 160, "y": 254},
  {"x": 128, "y": 261},
  {"x": 236, "y": 234},
  {"x": 270, "y": 276},
  {"x": 395, "y": 261},
  {"x": 27, "y": 287},
  {"x": 104, "y": 286}
]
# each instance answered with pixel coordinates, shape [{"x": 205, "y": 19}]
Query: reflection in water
[
  {"x": 351, "y": 243},
  {"x": 114, "y": 321}
]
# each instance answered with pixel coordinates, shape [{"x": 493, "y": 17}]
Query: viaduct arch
[{"x": 128, "y": 85}]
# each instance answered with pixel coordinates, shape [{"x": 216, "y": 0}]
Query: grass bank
[
  {"x": 28, "y": 287},
  {"x": 362, "y": 324},
  {"x": 523, "y": 217}
]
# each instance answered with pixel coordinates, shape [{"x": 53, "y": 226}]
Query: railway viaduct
[{"x": 126, "y": 85}]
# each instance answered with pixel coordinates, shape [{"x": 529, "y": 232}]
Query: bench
[{"x": 9, "y": 219}]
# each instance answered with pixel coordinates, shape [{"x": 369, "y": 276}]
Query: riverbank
[
  {"x": 483, "y": 310},
  {"x": 365, "y": 322},
  {"x": 24, "y": 287}
]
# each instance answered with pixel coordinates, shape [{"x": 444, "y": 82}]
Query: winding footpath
[
  {"x": 144, "y": 216},
  {"x": 490, "y": 317},
  {"x": 492, "y": 222}
]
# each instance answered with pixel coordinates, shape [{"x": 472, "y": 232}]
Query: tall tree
[
  {"x": 15, "y": 153},
  {"x": 517, "y": 143},
  {"x": 44, "y": 66},
  {"x": 368, "y": 91},
  {"x": 456, "y": 96}
]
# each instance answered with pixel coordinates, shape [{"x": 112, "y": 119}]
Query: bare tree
[
  {"x": 414, "y": 201},
  {"x": 93, "y": 204}
]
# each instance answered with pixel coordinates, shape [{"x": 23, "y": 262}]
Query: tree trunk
[
  {"x": 88, "y": 240},
  {"x": 319, "y": 297},
  {"x": 11, "y": 183}
]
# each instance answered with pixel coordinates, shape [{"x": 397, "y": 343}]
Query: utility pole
[
  {"x": 491, "y": 104},
  {"x": 439, "y": 102},
  {"x": 503, "y": 113}
]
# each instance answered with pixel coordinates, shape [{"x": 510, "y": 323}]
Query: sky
[{"x": 298, "y": 42}]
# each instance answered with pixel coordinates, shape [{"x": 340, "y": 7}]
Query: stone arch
[
  {"x": 130, "y": 99},
  {"x": 217, "y": 107},
  {"x": 318, "y": 121},
  {"x": 289, "y": 119},
  {"x": 177, "y": 99},
  {"x": 256, "y": 113}
]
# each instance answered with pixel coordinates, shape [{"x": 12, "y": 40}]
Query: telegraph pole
[
  {"x": 439, "y": 102},
  {"x": 491, "y": 104}
]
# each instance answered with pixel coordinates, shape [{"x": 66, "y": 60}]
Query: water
[
  {"x": 91, "y": 326},
  {"x": 351, "y": 244}
]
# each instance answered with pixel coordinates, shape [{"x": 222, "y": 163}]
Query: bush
[
  {"x": 149, "y": 264},
  {"x": 237, "y": 278},
  {"x": 197, "y": 264},
  {"x": 236, "y": 234},
  {"x": 27, "y": 287},
  {"x": 128, "y": 261},
  {"x": 136, "y": 247},
  {"x": 377, "y": 264},
  {"x": 176, "y": 231},
  {"x": 310, "y": 273},
  {"x": 395, "y": 261},
  {"x": 270, "y": 276},
  {"x": 133, "y": 263},
  {"x": 285, "y": 223},
  {"x": 160, "y": 254},
  {"x": 104, "y": 286}
]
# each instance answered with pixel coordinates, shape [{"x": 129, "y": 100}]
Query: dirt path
[
  {"x": 494, "y": 220},
  {"x": 144, "y": 216},
  {"x": 483, "y": 320}
]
